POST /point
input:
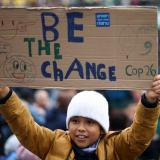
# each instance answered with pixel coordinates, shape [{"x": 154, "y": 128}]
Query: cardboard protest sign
[{"x": 78, "y": 47}]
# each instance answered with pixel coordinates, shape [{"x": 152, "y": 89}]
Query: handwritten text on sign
[
  {"x": 78, "y": 47},
  {"x": 92, "y": 70}
]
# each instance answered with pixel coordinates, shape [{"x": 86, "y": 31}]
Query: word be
[
  {"x": 90, "y": 70},
  {"x": 71, "y": 26}
]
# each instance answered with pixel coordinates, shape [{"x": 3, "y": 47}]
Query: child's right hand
[{"x": 3, "y": 91}]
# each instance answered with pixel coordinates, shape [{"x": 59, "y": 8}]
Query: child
[{"x": 87, "y": 121}]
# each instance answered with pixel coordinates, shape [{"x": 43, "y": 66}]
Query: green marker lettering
[
  {"x": 45, "y": 48},
  {"x": 56, "y": 51},
  {"x": 29, "y": 40}
]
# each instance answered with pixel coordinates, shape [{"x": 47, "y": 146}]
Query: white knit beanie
[{"x": 89, "y": 104}]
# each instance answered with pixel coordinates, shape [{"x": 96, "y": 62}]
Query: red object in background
[{"x": 135, "y": 2}]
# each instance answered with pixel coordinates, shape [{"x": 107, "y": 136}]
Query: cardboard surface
[{"x": 83, "y": 48}]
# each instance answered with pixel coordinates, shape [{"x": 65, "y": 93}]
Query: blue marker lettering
[
  {"x": 43, "y": 69},
  {"x": 72, "y": 26},
  {"x": 50, "y": 28},
  {"x": 75, "y": 66},
  {"x": 57, "y": 72}
]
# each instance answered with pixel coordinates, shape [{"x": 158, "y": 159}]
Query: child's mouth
[{"x": 81, "y": 137}]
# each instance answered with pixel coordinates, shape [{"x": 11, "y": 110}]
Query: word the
[{"x": 43, "y": 47}]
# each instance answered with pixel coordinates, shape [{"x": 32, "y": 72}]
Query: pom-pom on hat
[{"x": 89, "y": 104}]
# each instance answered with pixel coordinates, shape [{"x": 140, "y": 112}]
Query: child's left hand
[{"x": 154, "y": 92}]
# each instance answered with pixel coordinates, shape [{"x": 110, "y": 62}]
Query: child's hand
[
  {"x": 4, "y": 91},
  {"x": 154, "y": 92}
]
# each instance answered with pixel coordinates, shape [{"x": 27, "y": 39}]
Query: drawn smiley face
[{"x": 19, "y": 68}]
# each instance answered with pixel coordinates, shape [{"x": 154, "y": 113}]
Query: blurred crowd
[
  {"x": 49, "y": 106},
  {"x": 77, "y": 2}
]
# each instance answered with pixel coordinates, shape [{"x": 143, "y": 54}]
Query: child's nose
[{"x": 81, "y": 127}]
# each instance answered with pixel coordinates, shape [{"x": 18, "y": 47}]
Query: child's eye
[
  {"x": 90, "y": 122},
  {"x": 74, "y": 121}
]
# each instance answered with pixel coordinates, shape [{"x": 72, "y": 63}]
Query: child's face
[{"x": 84, "y": 131}]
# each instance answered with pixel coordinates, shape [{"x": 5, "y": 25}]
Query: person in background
[
  {"x": 10, "y": 148},
  {"x": 40, "y": 106},
  {"x": 56, "y": 116},
  {"x": 25, "y": 154}
]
